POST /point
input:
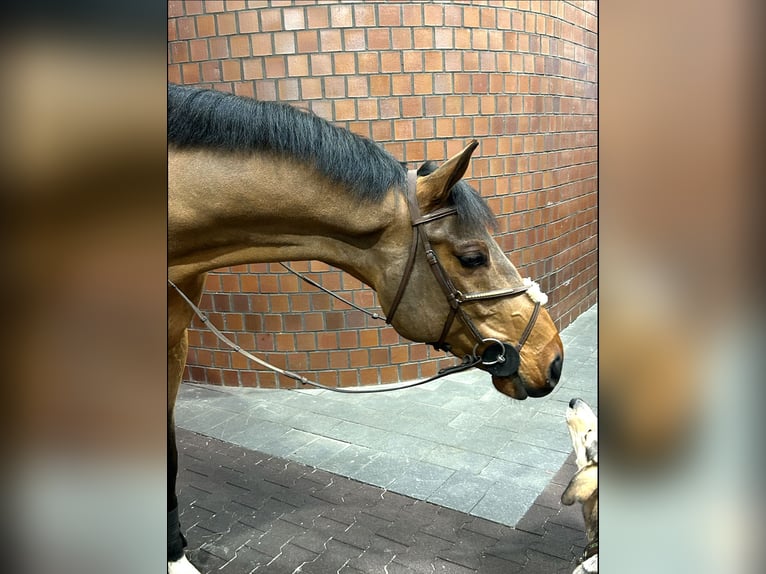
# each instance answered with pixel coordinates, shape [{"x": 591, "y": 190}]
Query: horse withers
[{"x": 252, "y": 181}]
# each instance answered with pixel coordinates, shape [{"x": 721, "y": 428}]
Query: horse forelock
[
  {"x": 472, "y": 210},
  {"x": 209, "y": 119}
]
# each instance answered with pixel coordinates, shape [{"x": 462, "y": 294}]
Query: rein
[
  {"x": 498, "y": 358},
  {"x": 468, "y": 361}
]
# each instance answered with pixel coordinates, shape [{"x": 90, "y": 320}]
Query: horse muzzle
[{"x": 511, "y": 381}]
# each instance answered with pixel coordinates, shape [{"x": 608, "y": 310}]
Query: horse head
[{"x": 459, "y": 292}]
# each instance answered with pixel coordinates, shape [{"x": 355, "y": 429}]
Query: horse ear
[{"x": 434, "y": 188}]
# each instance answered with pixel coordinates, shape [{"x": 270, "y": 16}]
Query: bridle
[{"x": 499, "y": 358}]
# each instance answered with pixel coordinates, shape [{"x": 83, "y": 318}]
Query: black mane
[{"x": 210, "y": 119}]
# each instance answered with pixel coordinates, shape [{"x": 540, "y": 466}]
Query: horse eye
[{"x": 472, "y": 259}]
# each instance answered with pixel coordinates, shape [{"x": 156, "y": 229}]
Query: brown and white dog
[{"x": 583, "y": 488}]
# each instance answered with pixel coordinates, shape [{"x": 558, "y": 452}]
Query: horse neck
[{"x": 229, "y": 209}]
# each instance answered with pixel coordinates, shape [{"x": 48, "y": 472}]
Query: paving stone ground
[
  {"x": 449, "y": 477},
  {"x": 245, "y": 511}
]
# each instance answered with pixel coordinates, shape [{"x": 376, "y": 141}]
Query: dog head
[{"x": 583, "y": 488}]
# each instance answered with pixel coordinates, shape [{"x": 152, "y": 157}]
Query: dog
[{"x": 583, "y": 488}]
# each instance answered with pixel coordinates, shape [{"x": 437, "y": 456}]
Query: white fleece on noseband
[{"x": 534, "y": 292}]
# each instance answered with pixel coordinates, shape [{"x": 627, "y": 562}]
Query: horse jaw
[{"x": 510, "y": 386}]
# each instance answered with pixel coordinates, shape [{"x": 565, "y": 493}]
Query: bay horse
[{"x": 252, "y": 181}]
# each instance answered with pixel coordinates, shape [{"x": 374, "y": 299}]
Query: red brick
[
  {"x": 344, "y": 63},
  {"x": 357, "y": 87},
  {"x": 422, "y": 83},
  {"x": 389, "y": 374},
  {"x": 390, "y": 62},
  {"x": 503, "y": 19},
  {"x": 378, "y": 39},
  {"x": 345, "y": 110},
  {"x": 227, "y": 24},
  {"x": 364, "y": 15},
  {"x": 412, "y": 15},
  {"x": 442, "y": 83},
  {"x": 463, "y": 38},
  {"x": 401, "y": 39},
  {"x": 198, "y": 50},
  {"x": 453, "y": 15},
  {"x": 425, "y": 128},
  {"x": 248, "y": 22},
  {"x": 214, "y": 6},
  {"x": 211, "y": 72},
  {"x": 205, "y": 26},
  {"x": 401, "y": 85},
  {"x": 403, "y": 129},
  {"x": 194, "y": 7},
  {"x": 330, "y": 40},
  {"x": 444, "y": 128},
  {"x": 414, "y": 151},
  {"x": 294, "y": 18},
  {"x": 354, "y": 40},
  {"x": 288, "y": 89},
  {"x": 434, "y": 106},
  {"x": 321, "y": 64},
  {"x": 186, "y": 28},
  {"x": 219, "y": 48},
  {"x": 298, "y": 65},
  {"x": 389, "y": 108},
  {"x": 462, "y": 84},
  {"x": 453, "y": 105},
  {"x": 453, "y": 61},
  {"x": 471, "y": 17},
  {"x": 231, "y": 70},
  {"x": 341, "y": 16},
  {"x": 307, "y": 41},
  {"x": 335, "y": 87},
  {"x": 480, "y": 39},
  {"x": 470, "y": 105},
  {"x": 275, "y": 67},
  {"x": 266, "y": 90},
  {"x": 368, "y": 376},
  {"x": 172, "y": 31},
  {"x": 367, "y": 109},
  {"x": 271, "y": 20},
  {"x": 368, "y": 63},
  {"x": 424, "y": 38},
  {"x": 390, "y": 15},
  {"x": 470, "y": 61},
  {"x": 175, "y": 8},
  {"x": 381, "y": 131},
  {"x": 239, "y": 46},
  {"x": 174, "y": 74},
  {"x": 433, "y": 15},
  {"x": 413, "y": 61},
  {"x": 179, "y": 52},
  {"x": 412, "y": 107},
  {"x": 284, "y": 43},
  {"x": 443, "y": 38},
  {"x": 261, "y": 44}
]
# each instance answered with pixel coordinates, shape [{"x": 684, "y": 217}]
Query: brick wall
[{"x": 420, "y": 78}]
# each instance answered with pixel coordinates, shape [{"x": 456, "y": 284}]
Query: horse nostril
[{"x": 555, "y": 369}]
